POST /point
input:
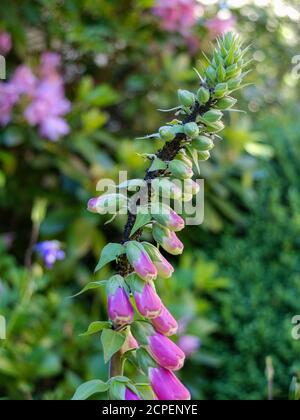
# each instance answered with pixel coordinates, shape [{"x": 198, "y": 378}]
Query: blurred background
[{"x": 84, "y": 78}]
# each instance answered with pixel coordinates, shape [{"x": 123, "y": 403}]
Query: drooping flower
[
  {"x": 164, "y": 268},
  {"x": 50, "y": 251},
  {"x": 189, "y": 344},
  {"x": 140, "y": 260},
  {"x": 147, "y": 301},
  {"x": 120, "y": 310},
  {"x": 177, "y": 15},
  {"x": 5, "y": 43},
  {"x": 167, "y": 217},
  {"x": 165, "y": 323},
  {"x": 166, "y": 353},
  {"x": 167, "y": 239},
  {"x": 167, "y": 386}
]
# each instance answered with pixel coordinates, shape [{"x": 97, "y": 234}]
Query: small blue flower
[{"x": 50, "y": 251}]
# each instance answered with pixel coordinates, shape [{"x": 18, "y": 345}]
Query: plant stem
[{"x": 116, "y": 365}]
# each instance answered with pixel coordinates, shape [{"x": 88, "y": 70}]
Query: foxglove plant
[{"x": 140, "y": 325}]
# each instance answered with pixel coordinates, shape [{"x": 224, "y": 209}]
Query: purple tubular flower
[
  {"x": 8, "y": 99},
  {"x": 140, "y": 260},
  {"x": 167, "y": 239},
  {"x": 148, "y": 302},
  {"x": 166, "y": 353},
  {"x": 167, "y": 386},
  {"x": 120, "y": 310},
  {"x": 50, "y": 251},
  {"x": 167, "y": 217},
  {"x": 189, "y": 344},
  {"x": 5, "y": 43},
  {"x": 24, "y": 81},
  {"x": 130, "y": 395},
  {"x": 165, "y": 323},
  {"x": 164, "y": 268}
]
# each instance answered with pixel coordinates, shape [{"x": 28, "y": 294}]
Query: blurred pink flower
[
  {"x": 217, "y": 26},
  {"x": 189, "y": 344},
  {"x": 48, "y": 102},
  {"x": 5, "y": 43},
  {"x": 177, "y": 15},
  {"x": 8, "y": 99},
  {"x": 24, "y": 81}
]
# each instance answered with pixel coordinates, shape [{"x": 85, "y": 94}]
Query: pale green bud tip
[
  {"x": 186, "y": 98},
  {"x": 191, "y": 130},
  {"x": 213, "y": 116},
  {"x": 226, "y": 103},
  {"x": 203, "y": 95},
  {"x": 202, "y": 144},
  {"x": 180, "y": 170},
  {"x": 203, "y": 156},
  {"x": 166, "y": 133}
]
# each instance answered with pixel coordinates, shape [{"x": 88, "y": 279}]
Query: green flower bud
[
  {"x": 211, "y": 74},
  {"x": 186, "y": 98},
  {"x": 166, "y": 133},
  {"x": 180, "y": 170},
  {"x": 202, "y": 143},
  {"x": 234, "y": 83},
  {"x": 215, "y": 127},
  {"x": 213, "y": 116},
  {"x": 191, "y": 130},
  {"x": 221, "y": 90},
  {"x": 184, "y": 158},
  {"x": 221, "y": 73},
  {"x": 226, "y": 103},
  {"x": 203, "y": 96},
  {"x": 203, "y": 156},
  {"x": 191, "y": 187},
  {"x": 233, "y": 71},
  {"x": 167, "y": 188}
]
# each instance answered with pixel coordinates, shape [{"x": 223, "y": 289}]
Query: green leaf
[
  {"x": 90, "y": 286},
  {"x": 109, "y": 253},
  {"x": 112, "y": 341},
  {"x": 140, "y": 221},
  {"x": 90, "y": 388},
  {"x": 96, "y": 327}
]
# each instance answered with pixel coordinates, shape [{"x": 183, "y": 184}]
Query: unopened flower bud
[
  {"x": 166, "y": 133},
  {"x": 233, "y": 71},
  {"x": 165, "y": 323},
  {"x": 167, "y": 386},
  {"x": 107, "y": 203},
  {"x": 166, "y": 188},
  {"x": 186, "y": 98},
  {"x": 184, "y": 158},
  {"x": 234, "y": 83},
  {"x": 167, "y": 217},
  {"x": 221, "y": 90},
  {"x": 226, "y": 103},
  {"x": 180, "y": 170},
  {"x": 213, "y": 116},
  {"x": 203, "y": 156},
  {"x": 164, "y": 268},
  {"x": 130, "y": 342},
  {"x": 202, "y": 143},
  {"x": 215, "y": 127},
  {"x": 191, "y": 130},
  {"x": 140, "y": 260},
  {"x": 203, "y": 95},
  {"x": 166, "y": 353},
  {"x": 167, "y": 239}
]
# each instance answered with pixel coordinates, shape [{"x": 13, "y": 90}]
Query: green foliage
[{"x": 255, "y": 315}]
